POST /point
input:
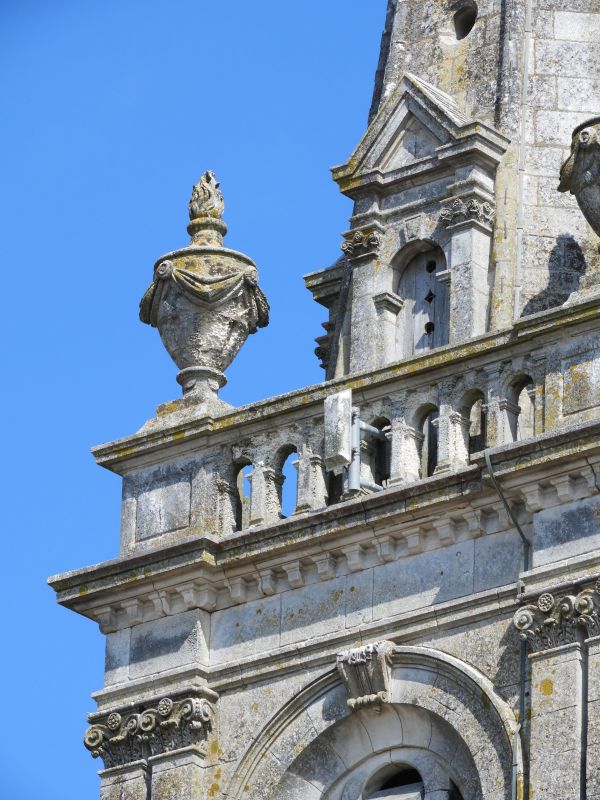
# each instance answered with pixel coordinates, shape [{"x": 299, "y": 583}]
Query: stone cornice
[
  {"x": 175, "y": 431},
  {"x": 414, "y": 625},
  {"x": 556, "y": 620}
]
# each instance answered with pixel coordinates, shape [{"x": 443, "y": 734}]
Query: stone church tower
[{"x": 426, "y": 624}]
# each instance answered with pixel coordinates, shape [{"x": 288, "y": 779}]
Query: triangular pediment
[
  {"x": 414, "y": 121},
  {"x": 412, "y": 141}
]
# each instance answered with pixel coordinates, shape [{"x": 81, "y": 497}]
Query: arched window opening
[
  {"x": 464, "y": 19},
  {"x": 288, "y": 480},
  {"x": 335, "y": 488},
  {"x": 474, "y": 413},
  {"x": 423, "y": 319},
  {"x": 242, "y": 501},
  {"x": 381, "y": 451},
  {"x": 521, "y": 408},
  {"x": 429, "y": 443},
  {"x": 405, "y": 784}
]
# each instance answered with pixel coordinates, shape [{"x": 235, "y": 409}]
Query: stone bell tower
[
  {"x": 425, "y": 625},
  {"x": 472, "y": 108}
]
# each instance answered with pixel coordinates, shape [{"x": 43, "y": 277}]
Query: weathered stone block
[{"x": 169, "y": 642}]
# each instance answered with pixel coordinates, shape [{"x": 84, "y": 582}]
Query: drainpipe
[{"x": 523, "y": 646}]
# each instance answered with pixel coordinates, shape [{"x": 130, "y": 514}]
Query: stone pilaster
[
  {"x": 557, "y": 632},
  {"x": 179, "y": 775},
  {"x": 469, "y": 225},
  {"x": 593, "y": 718},
  {"x": 128, "y": 782},
  {"x": 556, "y": 726},
  {"x": 388, "y": 306},
  {"x": 361, "y": 247}
]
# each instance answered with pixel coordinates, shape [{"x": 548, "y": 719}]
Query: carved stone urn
[
  {"x": 580, "y": 174},
  {"x": 204, "y": 300}
]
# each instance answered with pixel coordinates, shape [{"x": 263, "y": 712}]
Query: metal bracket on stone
[
  {"x": 343, "y": 433},
  {"x": 366, "y": 674}
]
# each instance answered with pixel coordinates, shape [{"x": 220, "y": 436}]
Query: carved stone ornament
[
  {"x": 556, "y": 621},
  {"x": 204, "y": 299},
  {"x": 580, "y": 174},
  {"x": 361, "y": 243},
  {"x": 366, "y": 673},
  {"x": 471, "y": 210},
  {"x": 120, "y": 738}
]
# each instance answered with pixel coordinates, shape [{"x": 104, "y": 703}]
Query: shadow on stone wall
[{"x": 566, "y": 266}]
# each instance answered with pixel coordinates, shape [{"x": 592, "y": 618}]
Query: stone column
[
  {"x": 265, "y": 503},
  {"x": 124, "y": 783},
  {"x": 553, "y": 630},
  {"x": 312, "y": 488},
  {"x": 452, "y": 453},
  {"x": 469, "y": 224},
  {"x": 406, "y": 448}
]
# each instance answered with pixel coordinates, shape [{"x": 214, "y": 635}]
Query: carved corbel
[{"x": 366, "y": 674}]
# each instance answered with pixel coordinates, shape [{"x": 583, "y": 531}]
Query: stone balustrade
[{"x": 511, "y": 387}]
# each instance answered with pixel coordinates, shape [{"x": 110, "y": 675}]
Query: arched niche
[
  {"x": 421, "y": 283},
  {"x": 444, "y": 720}
]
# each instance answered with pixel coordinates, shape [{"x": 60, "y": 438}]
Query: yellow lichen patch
[
  {"x": 178, "y": 436},
  {"x": 546, "y": 687},
  {"x": 83, "y": 589},
  {"x": 213, "y": 789}
]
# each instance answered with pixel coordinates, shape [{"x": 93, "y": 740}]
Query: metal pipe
[
  {"x": 354, "y": 468},
  {"x": 510, "y": 512},
  {"x": 372, "y": 430},
  {"x": 374, "y": 487}
]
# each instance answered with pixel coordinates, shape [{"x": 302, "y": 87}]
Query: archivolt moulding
[{"x": 443, "y": 717}]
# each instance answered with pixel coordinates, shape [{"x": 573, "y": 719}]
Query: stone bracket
[{"x": 366, "y": 673}]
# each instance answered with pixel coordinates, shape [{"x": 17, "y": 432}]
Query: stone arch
[
  {"x": 519, "y": 397},
  {"x": 444, "y": 718}
]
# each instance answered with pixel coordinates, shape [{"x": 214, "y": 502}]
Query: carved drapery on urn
[
  {"x": 204, "y": 299},
  {"x": 580, "y": 174},
  {"x": 120, "y": 738},
  {"x": 555, "y": 621}
]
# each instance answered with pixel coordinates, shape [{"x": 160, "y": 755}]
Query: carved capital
[
  {"x": 361, "y": 243},
  {"x": 120, "y": 737},
  {"x": 556, "y": 621},
  {"x": 468, "y": 211},
  {"x": 366, "y": 673}
]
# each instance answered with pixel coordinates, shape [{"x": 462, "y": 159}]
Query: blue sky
[{"x": 112, "y": 110}]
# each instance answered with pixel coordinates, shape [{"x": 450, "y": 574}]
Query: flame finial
[{"x": 207, "y": 200}]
